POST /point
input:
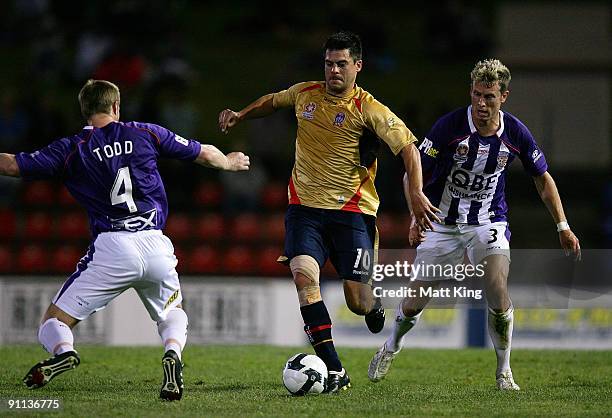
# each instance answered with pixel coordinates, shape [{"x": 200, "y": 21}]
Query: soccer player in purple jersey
[
  {"x": 465, "y": 157},
  {"x": 110, "y": 167}
]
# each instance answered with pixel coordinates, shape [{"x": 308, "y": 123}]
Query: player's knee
[
  {"x": 306, "y": 272},
  {"x": 174, "y": 315},
  {"x": 497, "y": 267},
  {"x": 54, "y": 312}
]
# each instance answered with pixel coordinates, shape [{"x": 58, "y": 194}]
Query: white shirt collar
[{"x": 499, "y": 132}]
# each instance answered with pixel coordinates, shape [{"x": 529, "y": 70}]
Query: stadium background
[{"x": 178, "y": 63}]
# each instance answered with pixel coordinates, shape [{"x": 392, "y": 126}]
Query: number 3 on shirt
[
  {"x": 493, "y": 236},
  {"x": 123, "y": 179}
]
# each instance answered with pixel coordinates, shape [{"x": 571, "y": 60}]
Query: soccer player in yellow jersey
[{"x": 332, "y": 198}]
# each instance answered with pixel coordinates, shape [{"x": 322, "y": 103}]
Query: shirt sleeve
[
  {"x": 387, "y": 126},
  {"x": 531, "y": 155},
  {"x": 172, "y": 145},
  {"x": 45, "y": 163},
  {"x": 432, "y": 149},
  {"x": 432, "y": 146},
  {"x": 286, "y": 98}
]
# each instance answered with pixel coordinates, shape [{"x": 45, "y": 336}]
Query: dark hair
[
  {"x": 344, "y": 40},
  {"x": 97, "y": 96}
]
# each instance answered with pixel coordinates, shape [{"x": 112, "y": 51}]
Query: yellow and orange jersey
[{"x": 336, "y": 144}]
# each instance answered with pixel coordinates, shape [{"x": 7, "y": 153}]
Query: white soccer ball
[{"x": 305, "y": 373}]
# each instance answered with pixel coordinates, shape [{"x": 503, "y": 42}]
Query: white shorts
[
  {"x": 447, "y": 245},
  {"x": 117, "y": 261}
]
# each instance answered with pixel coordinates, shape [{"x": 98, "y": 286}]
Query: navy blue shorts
[{"x": 348, "y": 239}]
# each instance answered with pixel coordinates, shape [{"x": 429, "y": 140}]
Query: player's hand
[
  {"x": 415, "y": 235},
  {"x": 570, "y": 243},
  {"x": 237, "y": 161},
  {"x": 227, "y": 119},
  {"x": 423, "y": 211}
]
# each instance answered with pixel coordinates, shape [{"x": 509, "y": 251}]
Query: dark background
[{"x": 178, "y": 63}]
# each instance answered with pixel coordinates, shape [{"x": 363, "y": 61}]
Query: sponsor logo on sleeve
[
  {"x": 536, "y": 155},
  {"x": 181, "y": 140},
  {"x": 427, "y": 148}
]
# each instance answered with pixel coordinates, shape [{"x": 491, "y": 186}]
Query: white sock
[
  {"x": 401, "y": 326},
  {"x": 174, "y": 327},
  {"x": 56, "y": 336},
  {"x": 500, "y": 329}
]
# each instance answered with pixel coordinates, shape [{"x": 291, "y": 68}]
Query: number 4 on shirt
[{"x": 123, "y": 179}]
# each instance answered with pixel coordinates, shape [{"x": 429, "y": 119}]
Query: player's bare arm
[
  {"x": 420, "y": 206},
  {"x": 211, "y": 156},
  {"x": 258, "y": 109},
  {"x": 549, "y": 194},
  {"x": 416, "y": 234},
  {"x": 8, "y": 165}
]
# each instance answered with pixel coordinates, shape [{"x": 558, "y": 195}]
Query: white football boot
[
  {"x": 505, "y": 381},
  {"x": 380, "y": 364}
]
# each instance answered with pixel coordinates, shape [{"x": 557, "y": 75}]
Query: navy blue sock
[{"x": 318, "y": 328}]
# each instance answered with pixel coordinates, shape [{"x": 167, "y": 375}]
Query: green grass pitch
[{"x": 246, "y": 381}]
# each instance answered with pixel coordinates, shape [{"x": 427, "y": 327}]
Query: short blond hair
[
  {"x": 97, "y": 96},
  {"x": 489, "y": 71}
]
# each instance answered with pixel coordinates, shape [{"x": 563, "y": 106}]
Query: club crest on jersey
[
  {"x": 502, "y": 159},
  {"x": 309, "y": 109},
  {"x": 339, "y": 119},
  {"x": 461, "y": 152}
]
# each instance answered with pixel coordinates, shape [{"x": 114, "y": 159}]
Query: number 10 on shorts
[{"x": 363, "y": 259}]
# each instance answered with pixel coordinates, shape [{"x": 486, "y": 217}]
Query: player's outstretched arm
[
  {"x": 261, "y": 107},
  {"x": 8, "y": 165},
  {"x": 211, "y": 156},
  {"x": 550, "y": 196},
  {"x": 420, "y": 206}
]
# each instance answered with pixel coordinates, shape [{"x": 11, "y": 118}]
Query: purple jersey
[
  {"x": 112, "y": 171},
  {"x": 464, "y": 173}
]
